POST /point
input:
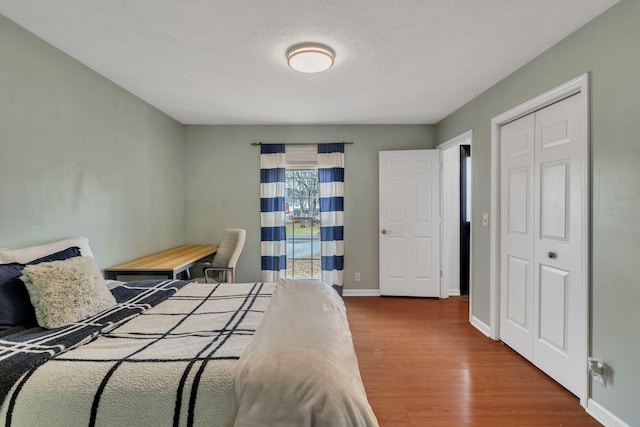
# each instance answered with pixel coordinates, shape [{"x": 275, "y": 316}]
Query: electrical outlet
[
  {"x": 598, "y": 371},
  {"x": 357, "y": 277}
]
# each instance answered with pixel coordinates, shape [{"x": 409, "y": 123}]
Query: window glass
[{"x": 303, "y": 224}]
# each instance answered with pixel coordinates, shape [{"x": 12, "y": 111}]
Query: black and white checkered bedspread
[{"x": 146, "y": 362}]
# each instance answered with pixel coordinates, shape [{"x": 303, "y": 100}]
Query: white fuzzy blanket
[
  {"x": 300, "y": 369},
  {"x": 172, "y": 365},
  {"x": 178, "y": 364}
]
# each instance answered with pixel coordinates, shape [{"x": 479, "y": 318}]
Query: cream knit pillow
[{"x": 66, "y": 291}]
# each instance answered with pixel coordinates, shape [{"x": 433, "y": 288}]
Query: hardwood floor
[{"x": 423, "y": 364}]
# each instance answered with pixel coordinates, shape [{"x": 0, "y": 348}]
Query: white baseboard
[
  {"x": 603, "y": 416},
  {"x": 454, "y": 293},
  {"x": 361, "y": 292},
  {"x": 481, "y": 326}
]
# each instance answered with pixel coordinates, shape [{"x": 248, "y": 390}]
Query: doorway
[
  {"x": 465, "y": 218},
  {"x": 456, "y": 216}
]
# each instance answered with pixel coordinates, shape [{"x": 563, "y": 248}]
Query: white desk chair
[{"x": 223, "y": 266}]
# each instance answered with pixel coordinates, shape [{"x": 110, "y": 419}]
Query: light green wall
[
  {"x": 222, "y": 186},
  {"x": 81, "y": 156},
  {"x": 608, "y": 48}
]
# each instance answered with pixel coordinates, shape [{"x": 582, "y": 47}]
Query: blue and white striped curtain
[
  {"x": 331, "y": 191},
  {"x": 273, "y": 243}
]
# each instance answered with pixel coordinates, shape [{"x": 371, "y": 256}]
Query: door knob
[
  {"x": 552, "y": 255},
  {"x": 385, "y": 231}
]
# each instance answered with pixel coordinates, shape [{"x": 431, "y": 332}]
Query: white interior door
[
  {"x": 516, "y": 258},
  {"x": 559, "y": 275},
  {"x": 409, "y": 211},
  {"x": 542, "y": 235}
]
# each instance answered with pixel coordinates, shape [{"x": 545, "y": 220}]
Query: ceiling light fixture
[{"x": 310, "y": 57}]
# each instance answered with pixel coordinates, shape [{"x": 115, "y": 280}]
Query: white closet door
[
  {"x": 517, "y": 264},
  {"x": 559, "y": 274},
  {"x": 542, "y": 278}
]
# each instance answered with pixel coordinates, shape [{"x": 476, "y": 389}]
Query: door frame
[
  {"x": 577, "y": 85},
  {"x": 465, "y": 138}
]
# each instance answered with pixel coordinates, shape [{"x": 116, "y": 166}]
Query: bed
[{"x": 183, "y": 353}]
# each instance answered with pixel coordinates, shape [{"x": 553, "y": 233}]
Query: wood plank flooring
[{"x": 423, "y": 364}]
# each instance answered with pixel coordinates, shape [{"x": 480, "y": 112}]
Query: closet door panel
[
  {"x": 558, "y": 274},
  {"x": 516, "y": 234}
]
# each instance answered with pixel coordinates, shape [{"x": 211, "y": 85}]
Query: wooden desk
[{"x": 168, "y": 263}]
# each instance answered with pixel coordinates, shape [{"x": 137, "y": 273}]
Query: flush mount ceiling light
[{"x": 310, "y": 57}]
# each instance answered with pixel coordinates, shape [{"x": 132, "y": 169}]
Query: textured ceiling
[{"x": 223, "y": 61}]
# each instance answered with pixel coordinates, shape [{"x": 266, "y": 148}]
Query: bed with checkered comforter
[{"x": 187, "y": 354}]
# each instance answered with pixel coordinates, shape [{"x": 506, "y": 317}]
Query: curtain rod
[{"x": 300, "y": 143}]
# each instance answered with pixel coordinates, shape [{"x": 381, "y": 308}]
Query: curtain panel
[
  {"x": 272, "y": 215},
  {"x": 331, "y": 192}
]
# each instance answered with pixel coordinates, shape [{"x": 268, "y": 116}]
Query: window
[
  {"x": 296, "y": 183},
  {"x": 302, "y": 213},
  {"x": 302, "y": 224}
]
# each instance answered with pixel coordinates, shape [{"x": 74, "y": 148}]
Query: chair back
[{"x": 230, "y": 248}]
